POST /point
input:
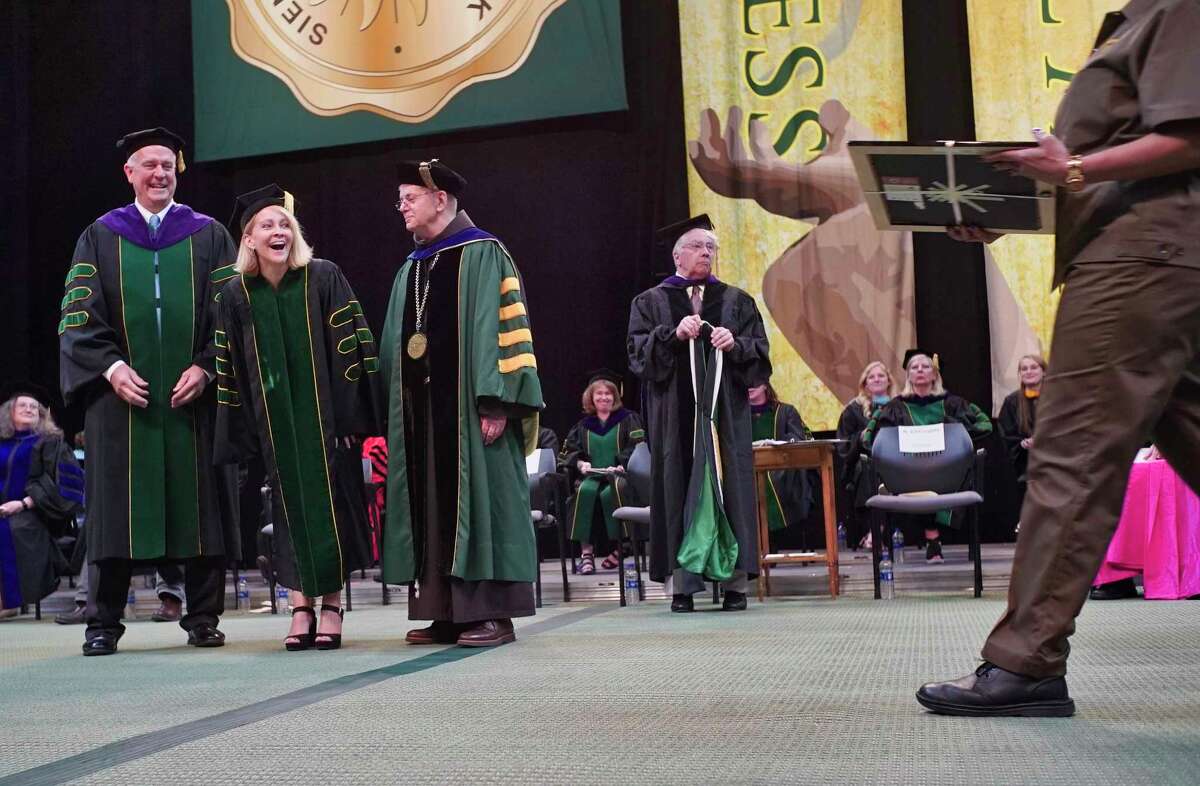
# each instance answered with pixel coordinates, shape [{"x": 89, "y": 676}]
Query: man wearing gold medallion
[{"x": 463, "y": 401}]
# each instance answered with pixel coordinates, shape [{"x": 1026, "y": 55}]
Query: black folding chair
[
  {"x": 636, "y": 518},
  {"x": 924, "y": 483},
  {"x": 545, "y": 512}
]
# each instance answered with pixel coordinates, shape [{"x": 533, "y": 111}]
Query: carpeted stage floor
[{"x": 799, "y": 689}]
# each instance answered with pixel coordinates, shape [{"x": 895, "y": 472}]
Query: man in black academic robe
[
  {"x": 695, "y": 338},
  {"x": 136, "y": 350}
]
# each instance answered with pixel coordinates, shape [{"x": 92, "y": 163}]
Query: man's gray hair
[{"x": 679, "y": 242}]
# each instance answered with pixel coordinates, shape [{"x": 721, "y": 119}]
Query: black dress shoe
[
  {"x": 682, "y": 603},
  {"x": 206, "y": 636},
  {"x": 991, "y": 691},
  {"x": 734, "y": 601},
  {"x": 101, "y": 645},
  {"x": 1114, "y": 590},
  {"x": 76, "y": 616}
]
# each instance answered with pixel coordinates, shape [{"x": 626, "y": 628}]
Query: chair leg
[
  {"x": 562, "y": 557},
  {"x": 386, "y": 594},
  {"x": 349, "y": 598},
  {"x": 274, "y": 604},
  {"x": 237, "y": 601},
  {"x": 537, "y": 577},
  {"x": 621, "y": 574},
  {"x": 716, "y": 592},
  {"x": 975, "y": 546},
  {"x": 637, "y": 566},
  {"x": 37, "y": 610},
  {"x": 876, "y": 536}
]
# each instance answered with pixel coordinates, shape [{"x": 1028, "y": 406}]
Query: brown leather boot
[
  {"x": 440, "y": 632},
  {"x": 491, "y": 633}
]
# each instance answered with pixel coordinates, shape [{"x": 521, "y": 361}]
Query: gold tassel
[
  {"x": 179, "y": 165},
  {"x": 289, "y": 202},
  {"x": 426, "y": 175}
]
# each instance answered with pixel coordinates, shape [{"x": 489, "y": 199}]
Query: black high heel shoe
[
  {"x": 330, "y": 641},
  {"x": 303, "y": 641}
]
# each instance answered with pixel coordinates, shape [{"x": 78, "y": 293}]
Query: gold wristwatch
[{"x": 1074, "y": 181}]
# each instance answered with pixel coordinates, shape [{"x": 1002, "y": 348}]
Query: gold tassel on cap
[
  {"x": 179, "y": 166},
  {"x": 289, "y": 202},
  {"x": 426, "y": 175}
]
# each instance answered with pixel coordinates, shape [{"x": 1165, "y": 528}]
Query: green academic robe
[
  {"x": 297, "y": 373},
  {"x": 479, "y": 358},
  {"x": 152, "y": 491}
]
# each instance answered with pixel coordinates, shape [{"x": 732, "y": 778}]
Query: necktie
[
  {"x": 155, "y": 221},
  {"x": 697, "y": 299}
]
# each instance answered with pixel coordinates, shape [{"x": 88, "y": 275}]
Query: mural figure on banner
[{"x": 842, "y": 294}]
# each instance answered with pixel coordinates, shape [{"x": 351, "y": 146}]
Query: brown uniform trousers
[{"x": 1124, "y": 368}]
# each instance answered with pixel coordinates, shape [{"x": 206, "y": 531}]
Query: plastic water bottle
[
  {"x": 887, "y": 580},
  {"x": 632, "y": 584},
  {"x": 282, "y": 598},
  {"x": 130, "y": 605},
  {"x": 898, "y": 545},
  {"x": 243, "y": 593},
  {"x": 841, "y": 536}
]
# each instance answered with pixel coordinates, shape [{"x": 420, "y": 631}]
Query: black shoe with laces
[
  {"x": 933, "y": 551},
  {"x": 993, "y": 692}
]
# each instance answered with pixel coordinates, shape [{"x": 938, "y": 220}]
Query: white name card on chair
[
  {"x": 922, "y": 439},
  {"x": 532, "y": 462}
]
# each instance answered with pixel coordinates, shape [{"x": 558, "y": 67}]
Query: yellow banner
[
  {"x": 1023, "y": 55},
  {"x": 773, "y": 90}
]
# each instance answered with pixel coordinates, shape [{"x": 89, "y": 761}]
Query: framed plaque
[{"x": 926, "y": 187}]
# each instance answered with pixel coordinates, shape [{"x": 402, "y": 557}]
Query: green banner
[{"x": 279, "y": 75}]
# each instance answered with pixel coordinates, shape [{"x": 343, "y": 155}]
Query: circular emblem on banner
[{"x": 400, "y": 58}]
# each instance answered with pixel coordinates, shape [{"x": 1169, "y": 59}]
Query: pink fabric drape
[{"x": 1158, "y": 535}]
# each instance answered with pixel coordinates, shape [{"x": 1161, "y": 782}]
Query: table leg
[
  {"x": 831, "y": 544},
  {"x": 764, "y": 542}
]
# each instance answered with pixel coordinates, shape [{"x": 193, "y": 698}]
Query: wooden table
[{"x": 813, "y": 454}]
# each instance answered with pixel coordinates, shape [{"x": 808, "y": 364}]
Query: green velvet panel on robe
[
  {"x": 163, "y": 458},
  {"x": 286, "y": 369}
]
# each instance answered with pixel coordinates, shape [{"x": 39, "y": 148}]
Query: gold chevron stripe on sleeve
[
  {"x": 515, "y": 310},
  {"x": 515, "y": 337},
  {"x": 524, "y": 360},
  {"x": 510, "y": 284}
]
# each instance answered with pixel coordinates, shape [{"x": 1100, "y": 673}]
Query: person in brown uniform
[{"x": 1126, "y": 338}]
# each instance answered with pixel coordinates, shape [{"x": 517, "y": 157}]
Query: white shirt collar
[{"x": 162, "y": 214}]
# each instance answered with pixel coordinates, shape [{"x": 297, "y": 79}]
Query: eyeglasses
[
  {"x": 410, "y": 199},
  {"x": 696, "y": 245}
]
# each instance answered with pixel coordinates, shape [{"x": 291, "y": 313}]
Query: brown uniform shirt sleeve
[{"x": 1167, "y": 70}]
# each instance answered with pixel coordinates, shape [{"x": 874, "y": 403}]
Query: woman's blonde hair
[
  {"x": 589, "y": 407},
  {"x": 936, "y": 389},
  {"x": 864, "y": 398},
  {"x": 300, "y": 255},
  {"x": 46, "y": 427},
  {"x": 1024, "y": 408}
]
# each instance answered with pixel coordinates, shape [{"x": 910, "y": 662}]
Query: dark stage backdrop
[{"x": 576, "y": 200}]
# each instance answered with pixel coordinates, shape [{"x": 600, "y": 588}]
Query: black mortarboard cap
[
  {"x": 665, "y": 238},
  {"x": 609, "y": 375},
  {"x": 136, "y": 140},
  {"x": 431, "y": 174},
  {"x": 911, "y": 353},
  {"x": 25, "y": 388},
  {"x": 246, "y": 205}
]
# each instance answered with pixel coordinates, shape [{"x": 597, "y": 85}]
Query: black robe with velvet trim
[
  {"x": 45, "y": 470},
  {"x": 321, "y": 530},
  {"x": 96, "y": 330},
  {"x": 661, "y": 361}
]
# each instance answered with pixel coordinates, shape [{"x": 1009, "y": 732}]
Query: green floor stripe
[{"x": 124, "y": 751}]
